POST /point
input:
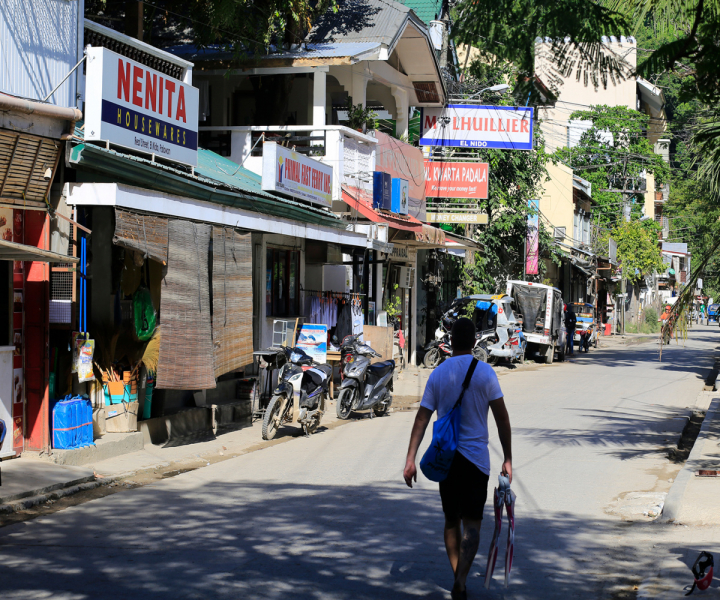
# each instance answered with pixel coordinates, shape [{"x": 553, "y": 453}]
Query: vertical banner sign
[
  {"x": 532, "y": 244},
  {"x": 132, "y": 105}
]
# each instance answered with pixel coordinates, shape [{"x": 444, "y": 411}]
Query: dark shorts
[{"x": 464, "y": 490}]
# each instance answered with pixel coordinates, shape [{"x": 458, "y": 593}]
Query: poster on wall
[
  {"x": 6, "y": 224},
  {"x": 17, "y": 386},
  {"x": 313, "y": 340}
]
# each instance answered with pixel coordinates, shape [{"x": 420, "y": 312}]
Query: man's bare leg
[
  {"x": 453, "y": 535},
  {"x": 468, "y": 549}
]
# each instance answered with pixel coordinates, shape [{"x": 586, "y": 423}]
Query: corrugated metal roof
[
  {"x": 217, "y": 171},
  {"x": 39, "y": 47},
  {"x": 674, "y": 247},
  {"x": 361, "y": 21},
  {"x": 426, "y": 10},
  {"x": 336, "y": 49}
]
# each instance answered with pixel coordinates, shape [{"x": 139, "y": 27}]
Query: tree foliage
[
  {"x": 614, "y": 153},
  {"x": 637, "y": 249}
]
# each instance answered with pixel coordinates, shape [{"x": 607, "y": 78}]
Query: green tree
[
  {"x": 614, "y": 154},
  {"x": 637, "y": 248}
]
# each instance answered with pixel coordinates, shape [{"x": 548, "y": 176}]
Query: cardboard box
[{"x": 121, "y": 418}]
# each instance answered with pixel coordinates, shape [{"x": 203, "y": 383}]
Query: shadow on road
[{"x": 186, "y": 538}]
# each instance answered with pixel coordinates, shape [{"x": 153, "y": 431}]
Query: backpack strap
[{"x": 466, "y": 383}]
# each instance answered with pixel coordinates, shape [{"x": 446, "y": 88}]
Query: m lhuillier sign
[
  {"x": 132, "y": 105},
  {"x": 469, "y": 126}
]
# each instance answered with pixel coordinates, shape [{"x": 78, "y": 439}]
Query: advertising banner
[
  {"x": 313, "y": 340},
  {"x": 137, "y": 107},
  {"x": 456, "y": 180},
  {"x": 400, "y": 196},
  {"x": 532, "y": 244},
  {"x": 296, "y": 175},
  {"x": 471, "y": 126}
]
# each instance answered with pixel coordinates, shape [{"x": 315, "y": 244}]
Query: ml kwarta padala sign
[{"x": 137, "y": 107}]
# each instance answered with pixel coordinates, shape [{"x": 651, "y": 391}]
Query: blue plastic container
[{"x": 72, "y": 423}]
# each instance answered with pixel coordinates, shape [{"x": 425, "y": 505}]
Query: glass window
[{"x": 282, "y": 283}]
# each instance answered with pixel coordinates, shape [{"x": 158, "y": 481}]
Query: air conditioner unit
[
  {"x": 406, "y": 277},
  {"x": 559, "y": 233}
]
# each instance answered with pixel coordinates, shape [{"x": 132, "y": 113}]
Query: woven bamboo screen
[
  {"x": 144, "y": 233},
  {"x": 232, "y": 300},
  {"x": 24, "y": 159},
  {"x": 186, "y": 349}
]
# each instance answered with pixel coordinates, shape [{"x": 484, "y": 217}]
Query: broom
[{"x": 151, "y": 354}]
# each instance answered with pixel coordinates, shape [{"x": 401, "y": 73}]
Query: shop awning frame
[
  {"x": 147, "y": 201},
  {"x": 23, "y": 252}
]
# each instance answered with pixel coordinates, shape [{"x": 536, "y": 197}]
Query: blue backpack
[{"x": 436, "y": 461}]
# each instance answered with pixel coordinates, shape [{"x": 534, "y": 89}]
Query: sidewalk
[{"x": 28, "y": 480}]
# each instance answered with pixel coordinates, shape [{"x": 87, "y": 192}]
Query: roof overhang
[
  {"x": 23, "y": 252},
  {"x": 153, "y": 202},
  {"x": 651, "y": 94}
]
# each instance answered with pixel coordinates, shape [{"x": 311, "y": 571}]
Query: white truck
[{"x": 543, "y": 318}]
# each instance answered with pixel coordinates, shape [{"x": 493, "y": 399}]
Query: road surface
[{"x": 330, "y": 517}]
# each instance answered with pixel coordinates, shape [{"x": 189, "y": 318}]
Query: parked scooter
[
  {"x": 365, "y": 386},
  {"x": 437, "y": 351},
  {"x": 500, "y": 334},
  {"x": 301, "y": 393}
]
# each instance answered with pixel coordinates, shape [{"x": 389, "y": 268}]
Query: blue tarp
[{"x": 72, "y": 423}]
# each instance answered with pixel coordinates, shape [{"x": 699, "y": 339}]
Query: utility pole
[
  {"x": 445, "y": 18},
  {"x": 626, "y": 214}
]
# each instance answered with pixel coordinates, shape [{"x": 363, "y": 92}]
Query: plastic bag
[
  {"x": 144, "y": 314},
  {"x": 83, "y": 359}
]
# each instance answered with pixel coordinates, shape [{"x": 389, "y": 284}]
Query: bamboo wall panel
[
  {"x": 232, "y": 300},
  {"x": 24, "y": 159},
  {"x": 186, "y": 347},
  {"x": 144, "y": 233}
]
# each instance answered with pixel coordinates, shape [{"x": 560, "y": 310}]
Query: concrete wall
[
  {"x": 579, "y": 93},
  {"x": 556, "y": 202}
]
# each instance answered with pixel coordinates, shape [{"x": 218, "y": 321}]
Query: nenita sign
[
  {"x": 137, "y": 107},
  {"x": 294, "y": 174},
  {"x": 456, "y": 180},
  {"x": 470, "y": 126}
]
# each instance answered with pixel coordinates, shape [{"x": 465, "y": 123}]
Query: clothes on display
[{"x": 342, "y": 311}]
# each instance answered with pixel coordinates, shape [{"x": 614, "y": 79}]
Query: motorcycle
[
  {"x": 364, "y": 385},
  {"x": 500, "y": 334},
  {"x": 437, "y": 351},
  {"x": 301, "y": 393}
]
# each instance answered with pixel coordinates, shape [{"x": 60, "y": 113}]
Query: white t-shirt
[{"x": 442, "y": 391}]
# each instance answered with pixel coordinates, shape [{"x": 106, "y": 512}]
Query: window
[{"x": 282, "y": 283}]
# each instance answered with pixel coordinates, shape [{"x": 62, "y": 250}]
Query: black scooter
[{"x": 365, "y": 386}]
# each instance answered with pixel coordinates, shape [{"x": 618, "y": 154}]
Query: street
[{"x": 330, "y": 517}]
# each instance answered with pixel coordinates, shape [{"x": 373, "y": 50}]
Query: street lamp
[{"x": 500, "y": 89}]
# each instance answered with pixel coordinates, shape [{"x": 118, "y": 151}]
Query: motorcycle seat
[{"x": 382, "y": 368}]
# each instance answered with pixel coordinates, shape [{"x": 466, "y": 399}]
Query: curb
[
  {"x": 29, "y": 502},
  {"x": 673, "y": 501},
  {"x": 45, "y": 490}
]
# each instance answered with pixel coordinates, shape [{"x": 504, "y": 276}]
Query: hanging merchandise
[
  {"x": 358, "y": 318},
  {"x": 83, "y": 351},
  {"x": 144, "y": 314}
]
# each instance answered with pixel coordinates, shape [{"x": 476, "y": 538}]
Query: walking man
[
  {"x": 570, "y": 323},
  {"x": 464, "y": 491}
]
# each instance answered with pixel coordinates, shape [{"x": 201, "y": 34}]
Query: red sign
[{"x": 456, "y": 180}]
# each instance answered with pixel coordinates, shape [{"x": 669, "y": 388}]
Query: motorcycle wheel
[
  {"x": 271, "y": 420},
  {"x": 381, "y": 410},
  {"x": 345, "y": 402},
  {"x": 480, "y": 353},
  {"x": 431, "y": 358}
]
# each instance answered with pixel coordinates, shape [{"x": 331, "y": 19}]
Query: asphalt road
[{"x": 330, "y": 517}]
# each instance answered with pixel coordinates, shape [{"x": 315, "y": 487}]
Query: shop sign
[
  {"x": 456, "y": 180},
  {"x": 469, "y": 126},
  {"x": 400, "y": 196},
  {"x": 403, "y": 254},
  {"x": 137, "y": 107},
  {"x": 475, "y": 218},
  {"x": 382, "y": 190},
  {"x": 296, "y": 175}
]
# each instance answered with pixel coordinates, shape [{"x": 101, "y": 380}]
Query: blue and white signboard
[
  {"x": 472, "y": 126},
  {"x": 313, "y": 340}
]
